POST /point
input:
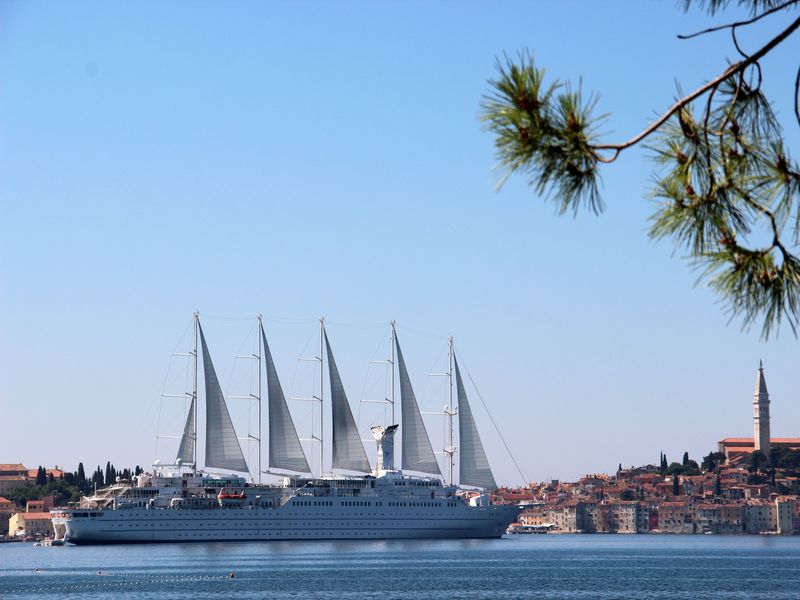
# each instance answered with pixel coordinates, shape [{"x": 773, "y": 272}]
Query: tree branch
[
  {"x": 731, "y": 70},
  {"x": 797, "y": 96},
  {"x": 738, "y": 23}
]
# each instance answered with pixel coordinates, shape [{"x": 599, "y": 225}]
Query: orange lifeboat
[{"x": 226, "y": 494}]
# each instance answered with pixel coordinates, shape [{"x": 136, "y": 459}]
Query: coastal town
[{"x": 744, "y": 486}]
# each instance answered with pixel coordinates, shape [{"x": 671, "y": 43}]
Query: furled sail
[
  {"x": 474, "y": 468},
  {"x": 348, "y": 451},
  {"x": 417, "y": 450},
  {"x": 189, "y": 438},
  {"x": 222, "y": 446},
  {"x": 285, "y": 450}
]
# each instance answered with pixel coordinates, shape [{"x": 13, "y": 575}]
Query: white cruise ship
[{"x": 179, "y": 503}]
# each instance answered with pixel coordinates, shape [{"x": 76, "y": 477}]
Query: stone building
[{"x": 738, "y": 450}]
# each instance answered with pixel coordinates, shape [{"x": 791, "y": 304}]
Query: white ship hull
[{"x": 339, "y": 522}]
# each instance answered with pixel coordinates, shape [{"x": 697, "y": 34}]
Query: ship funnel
[{"x": 384, "y": 436}]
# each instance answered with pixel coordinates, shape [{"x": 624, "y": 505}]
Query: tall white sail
[
  {"x": 417, "y": 450},
  {"x": 285, "y": 450},
  {"x": 189, "y": 438},
  {"x": 474, "y": 467},
  {"x": 222, "y": 446},
  {"x": 348, "y": 451}
]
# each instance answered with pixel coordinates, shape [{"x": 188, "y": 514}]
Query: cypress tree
[
  {"x": 97, "y": 478},
  {"x": 41, "y": 476},
  {"x": 685, "y": 459},
  {"x": 80, "y": 477},
  {"x": 676, "y": 490}
]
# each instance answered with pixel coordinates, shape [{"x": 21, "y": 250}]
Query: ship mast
[
  {"x": 450, "y": 412},
  {"x": 392, "y": 343},
  {"x": 260, "y": 352},
  {"x": 321, "y": 395},
  {"x": 194, "y": 387},
  {"x": 391, "y": 362}
]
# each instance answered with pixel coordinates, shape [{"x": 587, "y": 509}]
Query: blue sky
[{"x": 304, "y": 159}]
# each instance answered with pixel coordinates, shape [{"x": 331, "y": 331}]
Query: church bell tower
[{"x": 761, "y": 413}]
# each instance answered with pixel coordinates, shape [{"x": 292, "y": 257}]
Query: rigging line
[
  {"x": 496, "y": 428},
  {"x": 432, "y": 369},
  {"x": 430, "y": 334},
  {"x": 178, "y": 345},
  {"x": 363, "y": 325},
  {"x": 239, "y": 352},
  {"x": 297, "y": 362},
  {"x": 366, "y": 377},
  {"x": 224, "y": 317},
  {"x": 291, "y": 320}
]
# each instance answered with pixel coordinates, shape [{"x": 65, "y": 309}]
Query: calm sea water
[{"x": 542, "y": 566}]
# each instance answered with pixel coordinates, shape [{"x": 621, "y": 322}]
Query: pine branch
[
  {"x": 733, "y": 69},
  {"x": 736, "y": 24}
]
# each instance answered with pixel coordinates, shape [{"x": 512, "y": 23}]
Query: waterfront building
[
  {"x": 643, "y": 517},
  {"x": 536, "y": 516},
  {"x": 30, "y": 524},
  {"x": 731, "y": 518},
  {"x": 6, "y": 510},
  {"x": 706, "y": 518},
  {"x": 759, "y": 517},
  {"x": 624, "y": 516},
  {"x": 783, "y": 514},
  {"x": 674, "y": 517}
]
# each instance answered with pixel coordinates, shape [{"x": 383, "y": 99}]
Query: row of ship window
[
  {"x": 428, "y": 504},
  {"x": 369, "y": 503}
]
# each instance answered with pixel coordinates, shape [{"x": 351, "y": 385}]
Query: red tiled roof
[
  {"x": 35, "y": 516},
  {"x": 54, "y": 472},
  {"x": 748, "y": 442},
  {"x": 13, "y": 467}
]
